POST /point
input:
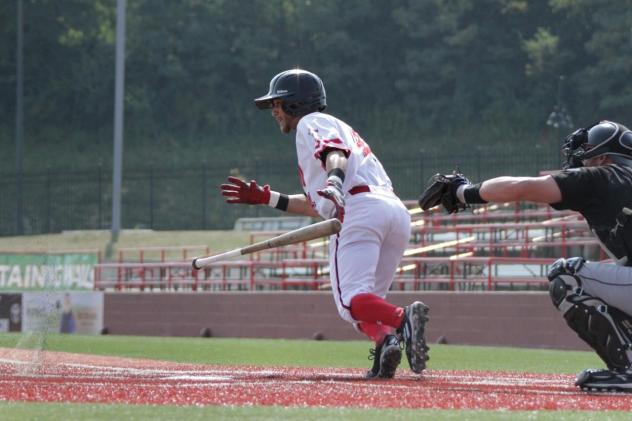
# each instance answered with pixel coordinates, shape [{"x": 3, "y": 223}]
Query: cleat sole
[{"x": 419, "y": 348}]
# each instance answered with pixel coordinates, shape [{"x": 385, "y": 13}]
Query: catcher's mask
[
  {"x": 601, "y": 138},
  {"x": 302, "y": 93}
]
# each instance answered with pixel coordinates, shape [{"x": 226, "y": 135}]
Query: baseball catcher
[{"x": 594, "y": 298}]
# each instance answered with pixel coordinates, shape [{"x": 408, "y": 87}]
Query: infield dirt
[{"x": 65, "y": 377}]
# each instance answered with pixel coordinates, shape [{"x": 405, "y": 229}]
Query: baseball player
[
  {"x": 342, "y": 178},
  {"x": 595, "y": 298}
]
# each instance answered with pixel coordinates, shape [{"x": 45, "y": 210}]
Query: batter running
[{"x": 342, "y": 178}]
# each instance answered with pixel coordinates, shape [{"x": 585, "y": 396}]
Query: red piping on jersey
[
  {"x": 338, "y": 276},
  {"x": 330, "y": 144}
]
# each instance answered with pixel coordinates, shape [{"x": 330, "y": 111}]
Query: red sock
[
  {"x": 375, "y": 332},
  {"x": 370, "y": 308}
]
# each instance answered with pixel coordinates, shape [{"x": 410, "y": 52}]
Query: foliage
[
  {"x": 194, "y": 66},
  {"x": 408, "y": 75}
]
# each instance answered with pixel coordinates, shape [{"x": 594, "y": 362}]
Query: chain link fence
[{"x": 188, "y": 198}]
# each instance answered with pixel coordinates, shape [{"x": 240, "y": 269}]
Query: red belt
[{"x": 359, "y": 189}]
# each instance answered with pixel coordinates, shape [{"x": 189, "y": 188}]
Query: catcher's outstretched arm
[
  {"x": 513, "y": 189},
  {"x": 455, "y": 192}
]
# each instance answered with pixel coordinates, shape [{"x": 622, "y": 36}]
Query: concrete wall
[{"x": 526, "y": 319}]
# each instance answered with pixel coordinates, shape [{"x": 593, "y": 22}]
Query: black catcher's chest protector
[
  {"x": 619, "y": 240},
  {"x": 601, "y": 194}
]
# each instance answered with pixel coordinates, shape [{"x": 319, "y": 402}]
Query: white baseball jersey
[
  {"x": 364, "y": 256},
  {"x": 317, "y": 132}
]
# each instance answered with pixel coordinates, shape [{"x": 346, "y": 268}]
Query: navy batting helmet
[
  {"x": 602, "y": 138},
  {"x": 302, "y": 93}
]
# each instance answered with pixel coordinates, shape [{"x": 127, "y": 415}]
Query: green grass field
[
  {"x": 305, "y": 353},
  {"x": 293, "y": 353},
  {"x": 98, "y": 240},
  {"x": 36, "y": 411}
]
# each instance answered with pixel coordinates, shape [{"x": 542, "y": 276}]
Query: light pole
[
  {"x": 119, "y": 90},
  {"x": 19, "y": 119}
]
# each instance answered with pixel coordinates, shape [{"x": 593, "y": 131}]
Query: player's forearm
[
  {"x": 298, "y": 204},
  {"x": 513, "y": 189}
]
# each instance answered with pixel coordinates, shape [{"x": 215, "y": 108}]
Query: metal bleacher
[{"x": 493, "y": 247}]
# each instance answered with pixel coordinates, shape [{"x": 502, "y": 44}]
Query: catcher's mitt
[{"x": 442, "y": 190}]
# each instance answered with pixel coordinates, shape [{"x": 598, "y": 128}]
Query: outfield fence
[{"x": 187, "y": 198}]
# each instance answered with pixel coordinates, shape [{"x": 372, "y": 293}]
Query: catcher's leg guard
[
  {"x": 606, "y": 329},
  {"x": 563, "y": 282}
]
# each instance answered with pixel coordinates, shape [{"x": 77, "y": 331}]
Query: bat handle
[{"x": 202, "y": 262}]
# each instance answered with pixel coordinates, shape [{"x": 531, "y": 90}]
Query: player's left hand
[
  {"x": 238, "y": 191},
  {"x": 334, "y": 206}
]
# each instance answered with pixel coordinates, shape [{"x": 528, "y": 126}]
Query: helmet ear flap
[{"x": 291, "y": 108}]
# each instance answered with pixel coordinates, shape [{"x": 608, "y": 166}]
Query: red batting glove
[
  {"x": 334, "y": 207},
  {"x": 241, "y": 192}
]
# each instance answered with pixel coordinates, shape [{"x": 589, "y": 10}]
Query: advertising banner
[
  {"x": 62, "y": 312},
  {"x": 68, "y": 271},
  {"x": 10, "y": 312}
]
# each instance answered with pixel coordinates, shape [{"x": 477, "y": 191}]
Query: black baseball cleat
[
  {"x": 411, "y": 333},
  {"x": 593, "y": 380},
  {"x": 386, "y": 358}
]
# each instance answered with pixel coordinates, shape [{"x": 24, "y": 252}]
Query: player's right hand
[
  {"x": 238, "y": 191},
  {"x": 334, "y": 206}
]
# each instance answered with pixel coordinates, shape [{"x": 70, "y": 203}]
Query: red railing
[
  {"x": 445, "y": 253},
  {"x": 503, "y": 238},
  {"x": 487, "y": 273},
  {"x": 490, "y": 213}
]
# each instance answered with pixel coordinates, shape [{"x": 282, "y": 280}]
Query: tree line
[{"x": 409, "y": 74}]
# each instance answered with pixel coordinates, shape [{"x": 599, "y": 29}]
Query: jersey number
[{"x": 360, "y": 143}]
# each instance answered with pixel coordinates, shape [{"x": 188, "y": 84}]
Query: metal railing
[
  {"x": 417, "y": 273},
  {"x": 446, "y": 252}
]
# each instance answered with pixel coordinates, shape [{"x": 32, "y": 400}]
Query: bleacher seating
[{"x": 488, "y": 248}]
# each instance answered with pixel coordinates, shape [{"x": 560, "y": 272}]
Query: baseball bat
[{"x": 310, "y": 232}]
